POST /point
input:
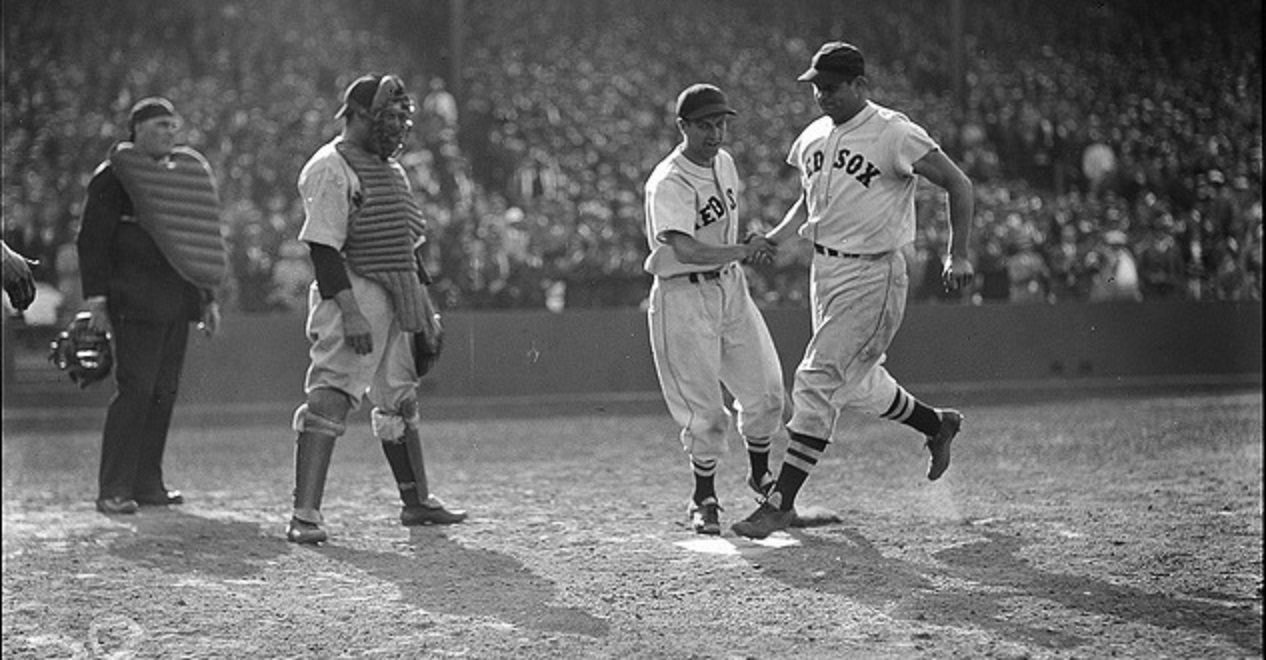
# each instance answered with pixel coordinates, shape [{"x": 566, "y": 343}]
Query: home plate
[{"x": 716, "y": 545}]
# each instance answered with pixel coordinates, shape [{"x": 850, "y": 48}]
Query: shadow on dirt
[
  {"x": 176, "y": 542},
  {"x": 436, "y": 574},
  {"x": 846, "y": 563},
  {"x": 440, "y": 575}
]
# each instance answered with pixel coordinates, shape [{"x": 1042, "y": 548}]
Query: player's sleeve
[
  {"x": 672, "y": 207},
  {"x": 326, "y": 191},
  {"x": 913, "y": 143}
]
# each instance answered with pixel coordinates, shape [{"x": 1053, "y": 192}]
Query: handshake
[{"x": 760, "y": 250}]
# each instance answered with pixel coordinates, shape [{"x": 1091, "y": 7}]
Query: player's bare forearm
[
  {"x": 690, "y": 250},
  {"x": 962, "y": 208},
  {"x": 791, "y": 223},
  {"x": 940, "y": 170}
]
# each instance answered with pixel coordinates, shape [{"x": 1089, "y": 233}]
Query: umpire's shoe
[
  {"x": 766, "y": 519},
  {"x": 939, "y": 445},
  {"x": 301, "y": 531},
  {"x": 705, "y": 516},
  {"x": 430, "y": 512},
  {"x": 115, "y": 506}
]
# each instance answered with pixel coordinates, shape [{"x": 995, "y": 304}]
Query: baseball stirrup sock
[
  {"x": 913, "y": 413},
  {"x": 705, "y": 471},
  {"x": 803, "y": 453},
  {"x": 758, "y": 454}
]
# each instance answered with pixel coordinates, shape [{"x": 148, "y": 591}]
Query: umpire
[{"x": 150, "y": 259}]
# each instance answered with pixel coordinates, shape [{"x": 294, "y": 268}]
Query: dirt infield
[{"x": 1074, "y": 529}]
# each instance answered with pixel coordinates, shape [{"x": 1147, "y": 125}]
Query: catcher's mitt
[
  {"x": 83, "y": 353},
  {"x": 427, "y": 346}
]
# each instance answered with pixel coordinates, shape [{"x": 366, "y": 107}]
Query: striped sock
[
  {"x": 758, "y": 454},
  {"x": 705, "y": 471},
  {"x": 803, "y": 453},
  {"x": 913, "y": 413}
]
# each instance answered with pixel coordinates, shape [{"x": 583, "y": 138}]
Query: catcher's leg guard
[
  {"x": 403, "y": 449},
  {"x": 314, "y": 448}
]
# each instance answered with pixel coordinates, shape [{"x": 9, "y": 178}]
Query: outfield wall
[
  {"x": 594, "y": 352},
  {"x": 607, "y": 351}
]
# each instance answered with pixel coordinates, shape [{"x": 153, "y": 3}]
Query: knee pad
[
  {"x": 306, "y": 420},
  {"x": 390, "y": 425}
]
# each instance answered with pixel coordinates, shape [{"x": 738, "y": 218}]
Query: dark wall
[{"x": 588, "y": 352}]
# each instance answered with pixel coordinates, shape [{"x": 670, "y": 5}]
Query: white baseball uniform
[
  {"x": 705, "y": 329},
  {"x": 859, "y": 186}
]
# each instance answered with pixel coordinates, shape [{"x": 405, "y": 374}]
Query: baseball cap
[
  {"x": 150, "y": 107},
  {"x": 360, "y": 93},
  {"x": 835, "y": 62},
  {"x": 702, "y": 100}
]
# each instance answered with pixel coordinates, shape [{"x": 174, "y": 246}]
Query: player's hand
[
  {"x": 99, "y": 318},
  {"x": 210, "y": 321},
  {"x": 357, "y": 333},
  {"x": 958, "y": 273},
  {"x": 761, "y": 250},
  {"x": 18, "y": 281}
]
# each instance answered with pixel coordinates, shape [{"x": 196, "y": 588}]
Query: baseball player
[
  {"x": 705, "y": 330},
  {"x": 859, "y": 165},
  {"x": 368, "y": 305}
]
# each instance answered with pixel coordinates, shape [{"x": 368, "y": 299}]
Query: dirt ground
[{"x": 1128, "y": 527}]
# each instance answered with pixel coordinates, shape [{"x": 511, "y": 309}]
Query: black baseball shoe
[
  {"x": 115, "y": 506},
  {"x": 762, "y": 486},
  {"x": 939, "y": 445},
  {"x": 430, "y": 512},
  {"x": 766, "y": 519},
  {"x": 300, "y": 531},
  {"x": 705, "y": 516}
]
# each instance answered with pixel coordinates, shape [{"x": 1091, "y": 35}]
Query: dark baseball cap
[
  {"x": 702, "y": 100},
  {"x": 834, "y": 63},
  {"x": 360, "y": 93},
  {"x": 148, "y": 108}
]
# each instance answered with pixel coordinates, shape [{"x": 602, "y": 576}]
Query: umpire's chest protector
[{"x": 177, "y": 203}]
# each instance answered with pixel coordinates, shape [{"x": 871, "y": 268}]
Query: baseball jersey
[
  {"x": 695, "y": 200},
  {"x": 330, "y": 190},
  {"x": 859, "y": 179}
]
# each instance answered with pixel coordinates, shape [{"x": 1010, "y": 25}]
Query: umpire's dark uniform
[{"x": 150, "y": 307}]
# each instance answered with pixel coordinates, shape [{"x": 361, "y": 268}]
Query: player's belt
[
  {"x": 704, "y": 276},
  {"x": 832, "y": 252}
]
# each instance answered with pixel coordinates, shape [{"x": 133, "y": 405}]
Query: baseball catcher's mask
[
  {"x": 390, "y": 109},
  {"x": 83, "y": 353}
]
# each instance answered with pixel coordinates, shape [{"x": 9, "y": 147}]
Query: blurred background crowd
[{"x": 1116, "y": 147}]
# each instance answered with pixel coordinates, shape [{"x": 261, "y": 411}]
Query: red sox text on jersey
[
  {"x": 853, "y": 164},
  {"x": 714, "y": 209}
]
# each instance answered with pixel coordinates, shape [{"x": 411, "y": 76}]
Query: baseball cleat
[
  {"x": 705, "y": 516},
  {"x": 430, "y": 512},
  {"x": 765, "y": 520},
  {"x": 299, "y": 531},
  {"x": 939, "y": 445},
  {"x": 113, "y": 506},
  {"x": 764, "y": 486}
]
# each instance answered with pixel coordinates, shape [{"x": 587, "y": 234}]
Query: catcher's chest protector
[
  {"x": 177, "y": 202},
  {"x": 383, "y": 233}
]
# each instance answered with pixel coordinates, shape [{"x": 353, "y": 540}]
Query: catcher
[{"x": 373, "y": 328}]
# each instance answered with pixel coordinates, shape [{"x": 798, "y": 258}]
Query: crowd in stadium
[{"x": 1111, "y": 161}]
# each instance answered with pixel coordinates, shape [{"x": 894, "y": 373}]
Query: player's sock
[
  {"x": 705, "y": 470},
  {"x": 913, "y": 413},
  {"x": 803, "y": 453},
  {"x": 758, "y": 454}
]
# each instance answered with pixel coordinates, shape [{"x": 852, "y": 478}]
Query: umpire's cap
[
  {"x": 835, "y": 62},
  {"x": 702, "y": 100},
  {"x": 148, "y": 108}
]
